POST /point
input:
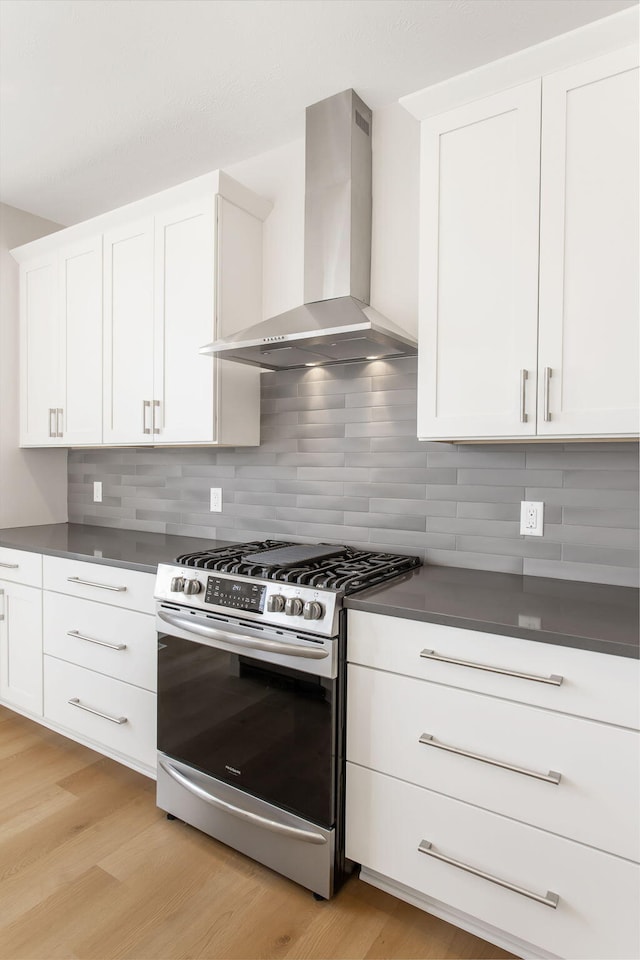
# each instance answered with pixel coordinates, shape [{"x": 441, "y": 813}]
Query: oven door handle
[
  {"x": 295, "y": 833},
  {"x": 241, "y": 640}
]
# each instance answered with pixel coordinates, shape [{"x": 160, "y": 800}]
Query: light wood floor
[{"x": 90, "y": 869}]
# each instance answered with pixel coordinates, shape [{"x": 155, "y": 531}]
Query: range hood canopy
[{"x": 336, "y": 323}]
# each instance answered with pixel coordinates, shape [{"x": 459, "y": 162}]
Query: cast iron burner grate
[{"x": 353, "y": 570}]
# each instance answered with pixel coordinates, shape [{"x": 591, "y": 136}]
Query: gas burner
[{"x": 348, "y": 571}]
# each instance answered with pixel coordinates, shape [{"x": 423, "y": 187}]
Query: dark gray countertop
[
  {"x": 589, "y": 616},
  {"x": 132, "y": 549}
]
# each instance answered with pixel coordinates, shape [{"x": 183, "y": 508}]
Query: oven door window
[{"x": 265, "y": 729}]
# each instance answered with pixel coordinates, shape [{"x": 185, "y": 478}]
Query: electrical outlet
[
  {"x": 215, "y": 501},
  {"x": 531, "y": 518},
  {"x": 97, "y": 491}
]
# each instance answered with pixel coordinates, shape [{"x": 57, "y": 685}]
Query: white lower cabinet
[
  {"x": 598, "y": 894},
  {"x": 21, "y": 646},
  {"x": 495, "y": 781},
  {"x": 105, "y": 712}
]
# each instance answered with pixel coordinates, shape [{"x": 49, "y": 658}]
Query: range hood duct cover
[{"x": 336, "y": 323}]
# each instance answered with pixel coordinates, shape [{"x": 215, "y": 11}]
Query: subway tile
[
  {"x": 412, "y": 475},
  {"x": 340, "y": 474},
  {"x": 158, "y": 469},
  {"x": 382, "y": 398},
  {"x": 208, "y": 471},
  {"x": 601, "y": 517},
  {"x": 341, "y": 387},
  {"x": 525, "y": 547},
  {"x": 274, "y": 472},
  {"x": 477, "y": 493},
  {"x": 427, "y": 508},
  {"x": 490, "y": 511},
  {"x": 405, "y": 444},
  {"x": 270, "y": 499},
  {"x": 600, "y": 458},
  {"x": 570, "y": 497},
  {"x": 609, "y": 479},
  {"x": 511, "y": 478},
  {"x": 354, "y": 415},
  {"x": 309, "y": 515},
  {"x": 484, "y": 528},
  {"x": 411, "y": 538},
  {"x": 255, "y": 511},
  {"x": 401, "y": 412},
  {"x": 589, "y": 572},
  {"x": 310, "y": 487},
  {"x": 595, "y": 536},
  {"x": 474, "y": 458},
  {"x": 161, "y": 515},
  {"x": 609, "y": 556},
  {"x": 475, "y": 561},
  {"x": 332, "y": 503},
  {"x": 382, "y": 428},
  {"x": 312, "y": 459},
  {"x": 387, "y": 460},
  {"x": 334, "y": 445},
  {"x": 393, "y": 521},
  {"x": 394, "y": 491}
]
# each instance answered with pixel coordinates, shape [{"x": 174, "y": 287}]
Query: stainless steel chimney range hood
[{"x": 336, "y": 323}]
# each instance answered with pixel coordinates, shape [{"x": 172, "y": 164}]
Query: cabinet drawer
[
  {"x": 596, "y": 800},
  {"x": 18, "y": 566},
  {"x": 134, "y": 737},
  {"x": 119, "y": 643},
  {"x": 96, "y": 581},
  {"x": 593, "y": 684},
  {"x": 596, "y": 914}
]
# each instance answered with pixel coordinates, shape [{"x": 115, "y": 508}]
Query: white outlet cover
[
  {"x": 531, "y": 518},
  {"x": 215, "y": 500},
  {"x": 97, "y": 491}
]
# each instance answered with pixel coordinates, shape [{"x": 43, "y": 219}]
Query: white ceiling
[{"x": 106, "y": 101}]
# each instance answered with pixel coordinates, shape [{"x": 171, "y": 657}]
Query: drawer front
[
  {"x": 593, "y": 684},
  {"x": 96, "y": 581},
  {"x": 596, "y": 914},
  {"x": 119, "y": 643},
  {"x": 19, "y": 566},
  {"x": 134, "y": 738},
  {"x": 598, "y": 795}
]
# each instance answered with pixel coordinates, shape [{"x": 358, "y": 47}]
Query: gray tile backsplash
[{"x": 339, "y": 460}]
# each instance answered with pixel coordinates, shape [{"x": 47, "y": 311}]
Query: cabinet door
[
  {"x": 80, "y": 420},
  {"x": 184, "y": 407},
  {"x": 21, "y": 646},
  {"x": 39, "y": 352},
  {"x": 480, "y": 179},
  {"x": 128, "y": 333},
  {"x": 589, "y": 249}
]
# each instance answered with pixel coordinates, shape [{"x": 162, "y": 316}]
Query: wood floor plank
[{"x": 90, "y": 869}]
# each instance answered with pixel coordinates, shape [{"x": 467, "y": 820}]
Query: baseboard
[{"x": 478, "y": 928}]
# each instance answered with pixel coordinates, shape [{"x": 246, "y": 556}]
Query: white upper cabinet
[
  {"x": 61, "y": 346},
  {"x": 479, "y": 268},
  {"x": 529, "y": 256},
  {"x": 168, "y": 274},
  {"x": 589, "y": 253}
]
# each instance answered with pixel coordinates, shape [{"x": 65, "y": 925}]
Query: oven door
[{"x": 233, "y": 705}]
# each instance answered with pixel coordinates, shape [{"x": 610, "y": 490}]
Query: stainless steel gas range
[{"x": 251, "y": 698}]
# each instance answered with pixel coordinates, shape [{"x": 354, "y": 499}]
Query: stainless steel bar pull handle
[
  {"x": 549, "y": 899},
  {"x": 156, "y": 406},
  {"x": 59, "y": 421},
  {"x": 242, "y": 640},
  {"x": 553, "y": 680},
  {"x": 10, "y": 566},
  {"x": 551, "y": 777},
  {"x": 547, "y": 377},
  {"x": 146, "y": 407},
  {"x": 52, "y": 429},
  {"x": 273, "y": 825},
  {"x": 524, "y": 376},
  {"x": 2, "y": 598},
  {"x": 75, "y": 702},
  {"x": 100, "y": 643},
  {"x": 101, "y": 586}
]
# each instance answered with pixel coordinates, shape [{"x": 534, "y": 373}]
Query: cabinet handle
[
  {"x": 100, "y": 643},
  {"x": 91, "y": 583},
  {"x": 524, "y": 376},
  {"x": 10, "y": 566},
  {"x": 52, "y": 431},
  {"x": 547, "y": 377},
  {"x": 554, "y": 680},
  {"x": 551, "y": 777},
  {"x": 105, "y": 716},
  {"x": 549, "y": 900},
  {"x": 146, "y": 405},
  {"x": 2, "y": 598},
  {"x": 156, "y": 406},
  {"x": 59, "y": 412}
]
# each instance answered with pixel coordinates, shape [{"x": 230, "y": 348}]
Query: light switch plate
[{"x": 531, "y": 518}]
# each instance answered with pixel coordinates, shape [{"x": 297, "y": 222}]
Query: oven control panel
[{"x": 274, "y": 602}]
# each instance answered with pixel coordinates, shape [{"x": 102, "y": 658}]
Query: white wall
[
  {"x": 33, "y": 483},
  {"x": 279, "y": 176}
]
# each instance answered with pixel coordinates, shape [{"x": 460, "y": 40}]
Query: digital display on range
[{"x": 237, "y": 594}]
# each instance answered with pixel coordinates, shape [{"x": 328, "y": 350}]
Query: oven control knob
[
  {"x": 177, "y": 584},
  {"x": 191, "y": 586},
  {"x": 313, "y": 610},
  {"x": 275, "y": 603},
  {"x": 293, "y": 607}
]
